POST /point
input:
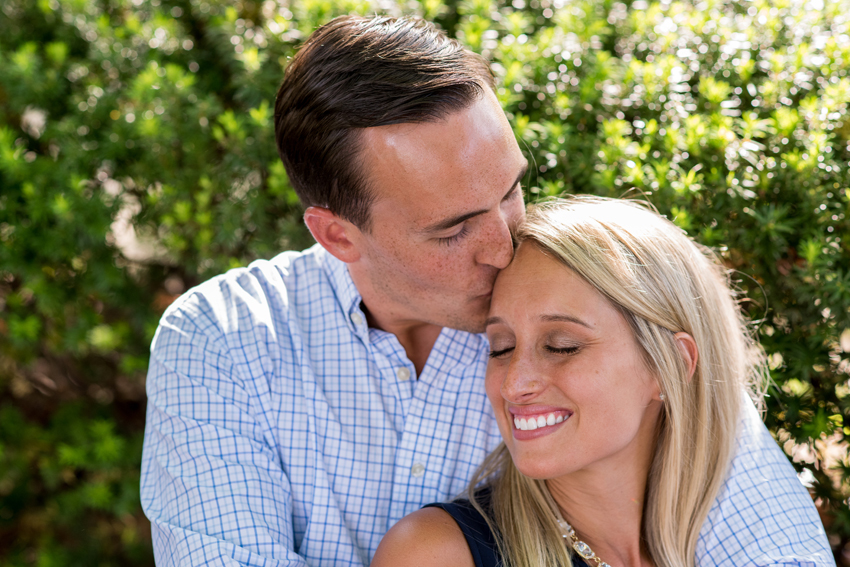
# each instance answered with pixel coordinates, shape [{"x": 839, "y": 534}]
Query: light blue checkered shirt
[{"x": 281, "y": 430}]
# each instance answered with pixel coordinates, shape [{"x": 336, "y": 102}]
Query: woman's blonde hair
[{"x": 663, "y": 283}]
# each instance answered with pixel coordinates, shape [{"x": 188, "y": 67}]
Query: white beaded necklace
[{"x": 569, "y": 534}]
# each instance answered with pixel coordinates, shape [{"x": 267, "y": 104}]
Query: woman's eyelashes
[
  {"x": 562, "y": 350},
  {"x": 498, "y": 353}
]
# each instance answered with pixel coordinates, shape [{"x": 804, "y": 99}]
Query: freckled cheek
[
  {"x": 429, "y": 267},
  {"x": 493, "y": 387},
  {"x": 440, "y": 260},
  {"x": 448, "y": 268}
]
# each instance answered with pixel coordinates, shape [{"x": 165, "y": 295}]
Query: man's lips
[{"x": 487, "y": 291}]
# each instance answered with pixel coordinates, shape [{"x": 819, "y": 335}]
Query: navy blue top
[{"x": 478, "y": 535}]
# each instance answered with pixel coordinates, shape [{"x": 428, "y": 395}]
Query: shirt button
[
  {"x": 403, "y": 373},
  {"x": 417, "y": 470},
  {"x": 356, "y": 318}
]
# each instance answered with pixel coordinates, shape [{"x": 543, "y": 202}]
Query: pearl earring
[{"x": 661, "y": 396}]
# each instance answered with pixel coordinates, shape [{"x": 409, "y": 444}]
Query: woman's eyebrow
[
  {"x": 565, "y": 319},
  {"x": 546, "y": 318}
]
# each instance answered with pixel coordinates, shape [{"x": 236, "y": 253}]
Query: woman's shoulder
[{"x": 429, "y": 537}]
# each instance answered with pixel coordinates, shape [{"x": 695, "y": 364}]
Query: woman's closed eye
[
  {"x": 562, "y": 350},
  {"x": 501, "y": 352},
  {"x": 498, "y": 353}
]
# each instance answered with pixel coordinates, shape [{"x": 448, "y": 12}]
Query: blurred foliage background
[{"x": 137, "y": 159}]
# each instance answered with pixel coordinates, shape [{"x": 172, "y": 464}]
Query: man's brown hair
[{"x": 354, "y": 73}]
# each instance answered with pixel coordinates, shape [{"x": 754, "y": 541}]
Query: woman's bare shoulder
[{"x": 426, "y": 538}]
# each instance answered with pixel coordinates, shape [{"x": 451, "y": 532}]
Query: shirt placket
[
  {"x": 422, "y": 448},
  {"x": 396, "y": 369}
]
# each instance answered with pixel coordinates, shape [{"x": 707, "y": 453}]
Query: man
[{"x": 301, "y": 406}]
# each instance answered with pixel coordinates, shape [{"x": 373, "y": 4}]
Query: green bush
[{"x": 137, "y": 159}]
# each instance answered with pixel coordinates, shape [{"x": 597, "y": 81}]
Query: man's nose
[{"x": 497, "y": 247}]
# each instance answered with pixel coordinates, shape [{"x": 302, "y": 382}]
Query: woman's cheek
[{"x": 493, "y": 387}]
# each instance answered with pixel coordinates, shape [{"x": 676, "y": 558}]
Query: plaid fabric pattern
[
  {"x": 282, "y": 431},
  {"x": 763, "y": 514}
]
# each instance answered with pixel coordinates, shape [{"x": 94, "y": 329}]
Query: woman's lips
[{"x": 534, "y": 423}]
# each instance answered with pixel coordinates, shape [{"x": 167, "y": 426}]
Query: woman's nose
[{"x": 521, "y": 383}]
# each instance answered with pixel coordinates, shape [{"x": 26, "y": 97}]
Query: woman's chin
[{"x": 541, "y": 469}]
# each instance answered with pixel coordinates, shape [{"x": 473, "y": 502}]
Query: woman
[{"x": 619, "y": 363}]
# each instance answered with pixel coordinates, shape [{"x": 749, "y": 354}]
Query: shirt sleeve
[
  {"x": 763, "y": 516},
  {"x": 213, "y": 484}
]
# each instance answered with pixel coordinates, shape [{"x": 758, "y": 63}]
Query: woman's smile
[{"x": 537, "y": 421}]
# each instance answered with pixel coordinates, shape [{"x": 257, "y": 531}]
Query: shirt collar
[{"x": 337, "y": 270}]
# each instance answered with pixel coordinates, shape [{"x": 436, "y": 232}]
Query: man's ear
[
  {"x": 335, "y": 234},
  {"x": 689, "y": 351}
]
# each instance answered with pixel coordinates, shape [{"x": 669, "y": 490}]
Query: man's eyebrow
[
  {"x": 454, "y": 221},
  {"x": 546, "y": 318}
]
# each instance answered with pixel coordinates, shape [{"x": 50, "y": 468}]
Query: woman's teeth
[{"x": 533, "y": 422}]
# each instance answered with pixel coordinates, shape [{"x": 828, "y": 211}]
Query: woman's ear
[
  {"x": 335, "y": 234},
  {"x": 689, "y": 351}
]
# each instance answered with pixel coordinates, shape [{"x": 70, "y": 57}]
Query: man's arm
[
  {"x": 763, "y": 516},
  {"x": 212, "y": 482}
]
